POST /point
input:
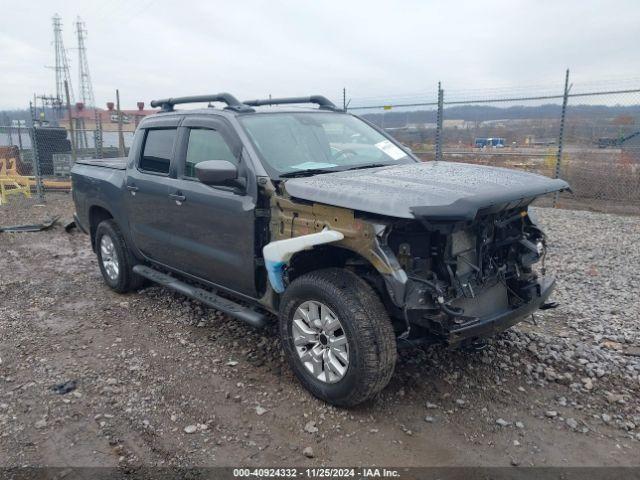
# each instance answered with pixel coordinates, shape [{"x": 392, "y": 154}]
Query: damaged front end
[
  {"x": 470, "y": 279},
  {"x": 457, "y": 268},
  {"x": 450, "y": 280}
]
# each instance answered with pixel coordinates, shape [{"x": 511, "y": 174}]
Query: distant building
[
  {"x": 533, "y": 141},
  {"x": 455, "y": 123},
  {"x": 108, "y": 117},
  {"x": 420, "y": 126}
]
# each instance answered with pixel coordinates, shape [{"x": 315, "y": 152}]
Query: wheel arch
[
  {"x": 97, "y": 214},
  {"x": 337, "y": 256}
]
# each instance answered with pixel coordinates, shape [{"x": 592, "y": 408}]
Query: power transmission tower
[
  {"x": 86, "y": 88},
  {"x": 61, "y": 66}
]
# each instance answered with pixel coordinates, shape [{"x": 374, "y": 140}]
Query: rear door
[
  {"x": 147, "y": 189},
  {"x": 212, "y": 228}
]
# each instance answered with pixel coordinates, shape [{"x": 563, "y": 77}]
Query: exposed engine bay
[{"x": 463, "y": 275}]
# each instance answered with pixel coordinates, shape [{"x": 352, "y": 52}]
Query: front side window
[
  {"x": 296, "y": 142},
  {"x": 205, "y": 145},
  {"x": 157, "y": 151}
]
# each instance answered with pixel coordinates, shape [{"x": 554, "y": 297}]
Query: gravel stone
[
  {"x": 191, "y": 429},
  {"x": 310, "y": 427},
  {"x": 260, "y": 410}
]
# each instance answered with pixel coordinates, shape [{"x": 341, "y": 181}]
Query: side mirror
[{"x": 219, "y": 172}]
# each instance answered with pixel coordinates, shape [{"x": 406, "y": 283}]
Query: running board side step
[{"x": 253, "y": 318}]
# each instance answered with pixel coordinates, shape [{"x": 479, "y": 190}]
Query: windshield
[{"x": 310, "y": 141}]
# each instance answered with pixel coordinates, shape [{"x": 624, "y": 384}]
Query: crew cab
[{"x": 317, "y": 218}]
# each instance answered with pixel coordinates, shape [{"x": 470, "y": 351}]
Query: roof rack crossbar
[
  {"x": 232, "y": 102},
  {"x": 323, "y": 102}
]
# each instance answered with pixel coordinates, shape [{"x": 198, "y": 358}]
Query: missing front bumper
[{"x": 490, "y": 325}]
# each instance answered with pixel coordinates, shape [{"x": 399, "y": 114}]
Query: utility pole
[
  {"x": 97, "y": 133},
  {"x": 439, "y": 122},
  {"x": 344, "y": 99},
  {"x": 121, "y": 150},
  {"x": 565, "y": 100},
  {"x": 32, "y": 111},
  {"x": 73, "y": 138}
]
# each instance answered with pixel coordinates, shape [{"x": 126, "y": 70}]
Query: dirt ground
[{"x": 558, "y": 390}]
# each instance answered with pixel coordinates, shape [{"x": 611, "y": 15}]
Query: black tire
[
  {"x": 366, "y": 324},
  {"x": 125, "y": 280}
]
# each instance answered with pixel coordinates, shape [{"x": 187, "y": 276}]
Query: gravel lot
[{"x": 162, "y": 381}]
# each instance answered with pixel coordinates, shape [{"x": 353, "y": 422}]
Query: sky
[{"x": 165, "y": 48}]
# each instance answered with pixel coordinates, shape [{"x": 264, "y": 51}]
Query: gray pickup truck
[{"x": 318, "y": 217}]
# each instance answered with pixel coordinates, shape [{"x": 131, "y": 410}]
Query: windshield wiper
[
  {"x": 315, "y": 171},
  {"x": 368, "y": 165},
  {"x": 306, "y": 173}
]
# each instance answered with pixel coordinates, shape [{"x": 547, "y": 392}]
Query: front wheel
[{"x": 337, "y": 336}]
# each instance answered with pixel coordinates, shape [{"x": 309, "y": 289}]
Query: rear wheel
[
  {"x": 115, "y": 259},
  {"x": 337, "y": 336}
]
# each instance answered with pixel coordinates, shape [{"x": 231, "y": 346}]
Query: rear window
[{"x": 157, "y": 151}]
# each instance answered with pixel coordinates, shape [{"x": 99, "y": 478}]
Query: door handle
[
  {"x": 132, "y": 188},
  {"x": 178, "y": 197}
]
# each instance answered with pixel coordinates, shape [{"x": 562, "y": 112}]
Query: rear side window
[
  {"x": 206, "y": 145},
  {"x": 158, "y": 147}
]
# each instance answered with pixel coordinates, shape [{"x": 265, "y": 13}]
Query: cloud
[{"x": 159, "y": 48}]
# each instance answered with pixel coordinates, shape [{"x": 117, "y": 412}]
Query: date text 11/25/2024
[{"x": 321, "y": 472}]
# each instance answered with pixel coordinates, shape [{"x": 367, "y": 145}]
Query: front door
[{"x": 212, "y": 233}]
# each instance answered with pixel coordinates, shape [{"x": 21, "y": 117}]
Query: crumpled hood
[{"x": 435, "y": 190}]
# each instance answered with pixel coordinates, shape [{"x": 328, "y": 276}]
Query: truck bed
[
  {"x": 99, "y": 182},
  {"x": 118, "y": 163}
]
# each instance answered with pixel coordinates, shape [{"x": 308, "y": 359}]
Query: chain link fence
[
  {"x": 589, "y": 137},
  {"x": 412, "y": 121},
  {"x": 601, "y": 151},
  {"x": 35, "y": 163}
]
